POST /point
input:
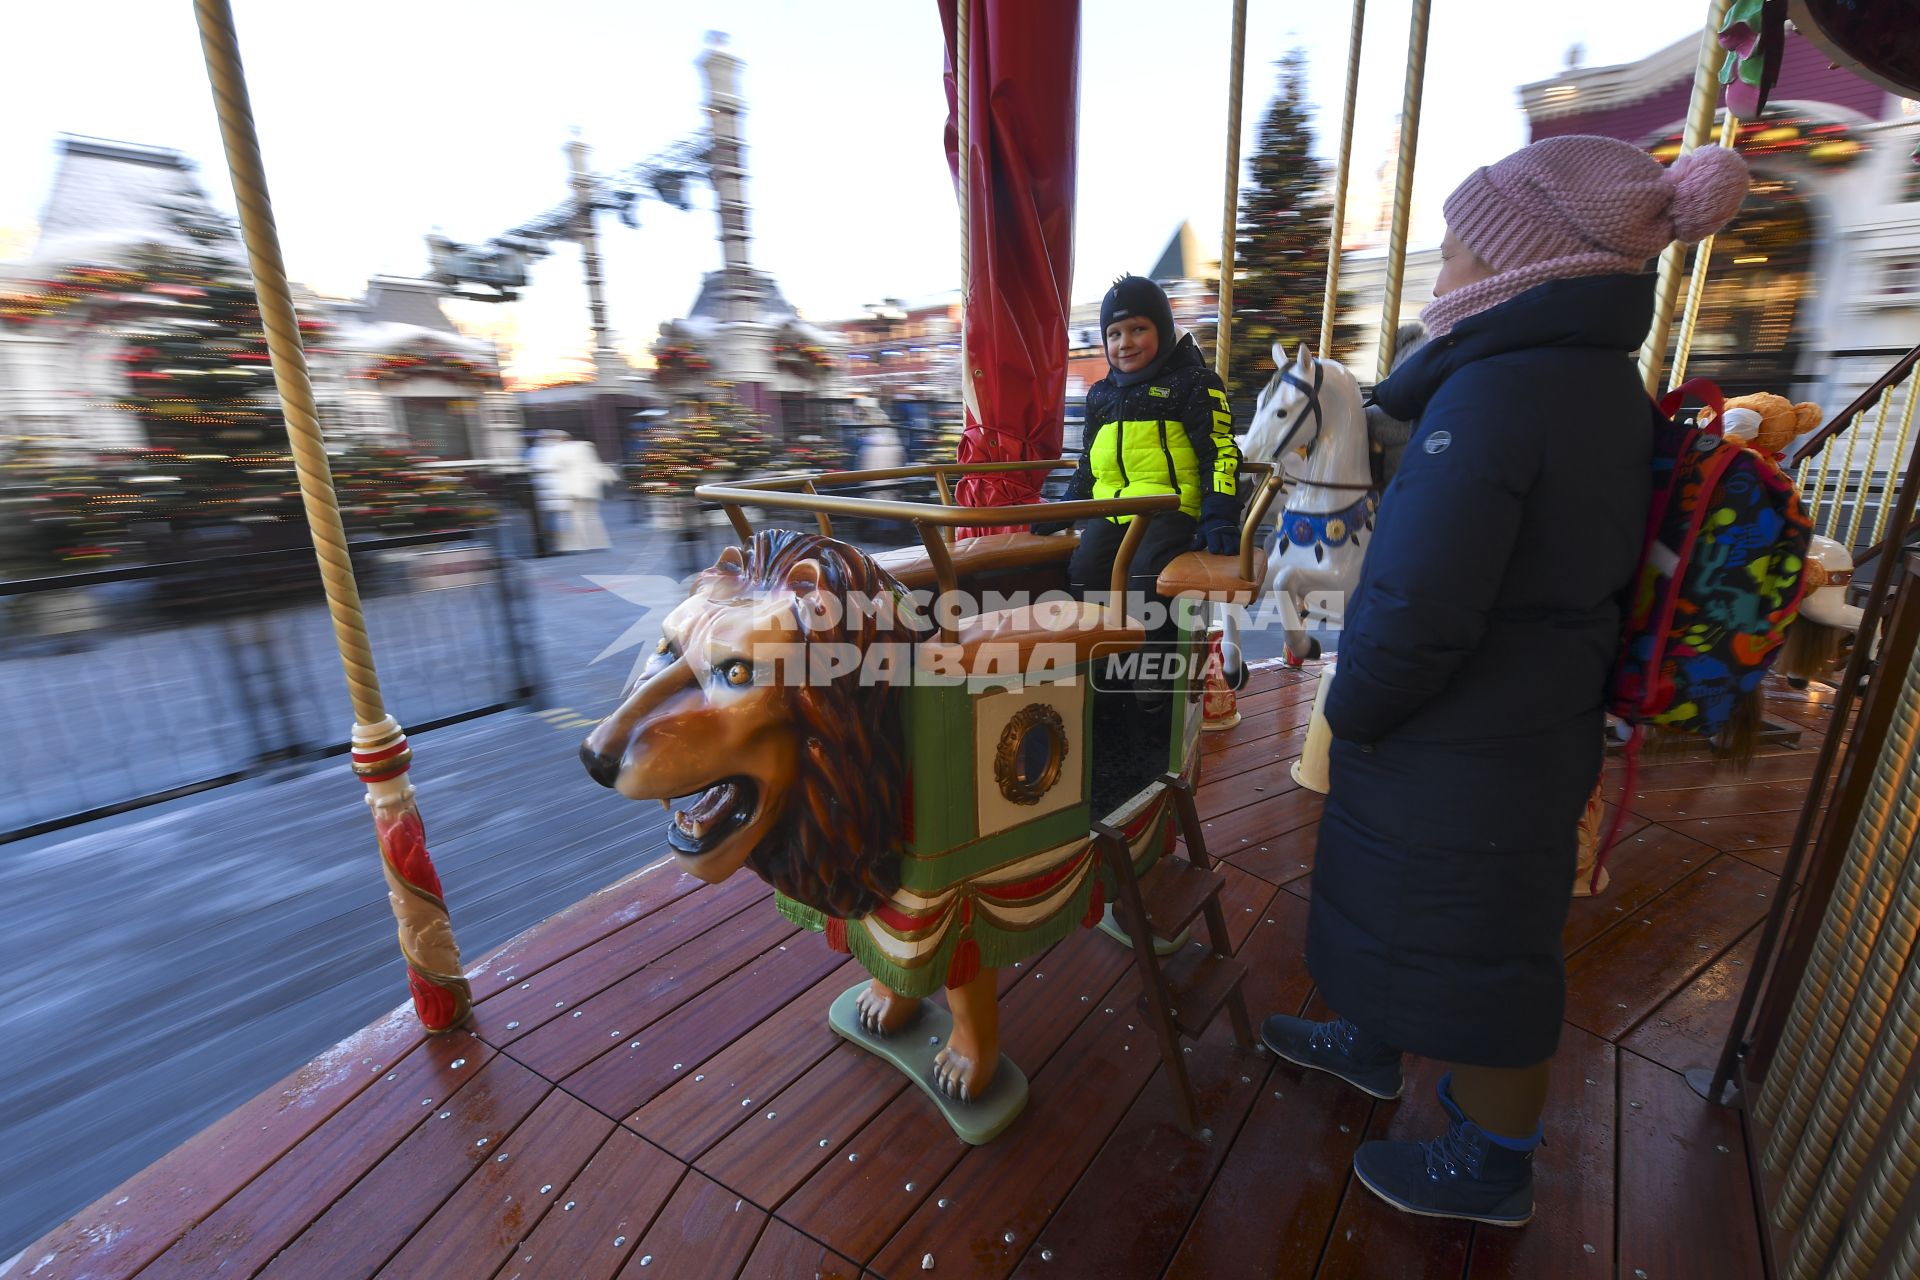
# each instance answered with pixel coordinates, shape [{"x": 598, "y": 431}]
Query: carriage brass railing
[
  {"x": 800, "y": 491},
  {"x": 1840, "y": 485},
  {"x": 930, "y": 520}
]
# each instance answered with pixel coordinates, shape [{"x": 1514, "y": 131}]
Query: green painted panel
[
  {"x": 928, "y": 874},
  {"x": 938, "y": 728}
]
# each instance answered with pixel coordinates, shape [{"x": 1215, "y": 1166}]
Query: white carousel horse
[{"x": 1311, "y": 411}]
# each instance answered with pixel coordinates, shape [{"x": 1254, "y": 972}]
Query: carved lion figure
[
  {"x": 751, "y": 724},
  {"x": 769, "y": 724}
]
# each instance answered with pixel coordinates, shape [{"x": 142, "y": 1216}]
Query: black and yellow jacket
[{"x": 1170, "y": 434}]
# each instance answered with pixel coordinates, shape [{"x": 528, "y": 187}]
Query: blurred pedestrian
[{"x": 580, "y": 482}]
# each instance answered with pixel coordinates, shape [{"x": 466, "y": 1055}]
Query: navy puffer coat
[{"x": 1466, "y": 712}]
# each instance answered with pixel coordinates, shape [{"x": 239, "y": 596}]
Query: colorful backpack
[{"x": 1719, "y": 583}]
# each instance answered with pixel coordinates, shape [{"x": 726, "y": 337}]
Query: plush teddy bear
[{"x": 1767, "y": 423}]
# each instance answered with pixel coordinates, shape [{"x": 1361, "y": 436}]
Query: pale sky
[{"x": 380, "y": 122}]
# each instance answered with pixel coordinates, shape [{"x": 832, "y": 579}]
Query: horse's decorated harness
[{"x": 1323, "y": 530}]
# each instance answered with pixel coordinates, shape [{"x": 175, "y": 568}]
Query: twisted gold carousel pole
[
  {"x": 1866, "y": 470},
  {"x": 1697, "y": 286},
  {"x": 381, "y": 758},
  {"x": 1893, "y": 463},
  {"x": 1403, "y": 184},
  {"x": 1230, "y": 207},
  {"x": 1220, "y": 708},
  {"x": 1330, "y": 302},
  {"x": 1673, "y": 259}
]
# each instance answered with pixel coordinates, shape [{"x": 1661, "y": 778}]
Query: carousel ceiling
[{"x": 1877, "y": 40}]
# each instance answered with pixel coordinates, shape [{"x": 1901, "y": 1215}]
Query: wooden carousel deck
[{"x": 649, "y": 1088}]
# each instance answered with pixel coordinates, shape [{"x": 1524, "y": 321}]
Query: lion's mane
[{"x": 836, "y": 845}]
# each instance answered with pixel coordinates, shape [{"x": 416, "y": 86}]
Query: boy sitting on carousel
[{"x": 1157, "y": 423}]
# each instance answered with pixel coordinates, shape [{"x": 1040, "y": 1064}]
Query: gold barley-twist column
[
  {"x": 1820, "y": 461},
  {"x": 1330, "y": 303},
  {"x": 1832, "y": 980},
  {"x": 1697, "y": 286},
  {"x": 1840, "y": 1100},
  {"x": 1870, "y": 1226},
  {"x": 441, "y": 995},
  {"x": 1230, "y": 205},
  {"x": 1403, "y": 185},
  {"x": 1846, "y": 474},
  {"x": 1866, "y": 469},
  {"x": 1899, "y": 453},
  {"x": 1893, "y": 1054},
  {"x": 1673, "y": 259}
]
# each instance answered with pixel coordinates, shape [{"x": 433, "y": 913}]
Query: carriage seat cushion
[
  {"x": 1003, "y": 641},
  {"x": 1198, "y": 573},
  {"x": 914, "y": 568}
]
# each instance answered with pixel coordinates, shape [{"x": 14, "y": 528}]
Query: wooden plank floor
[{"x": 649, "y": 1087}]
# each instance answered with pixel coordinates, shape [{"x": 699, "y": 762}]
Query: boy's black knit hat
[{"x": 1138, "y": 296}]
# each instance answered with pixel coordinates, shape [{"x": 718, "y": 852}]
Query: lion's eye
[{"x": 736, "y": 672}]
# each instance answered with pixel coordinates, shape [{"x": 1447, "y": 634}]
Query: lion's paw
[
  {"x": 884, "y": 1011},
  {"x": 960, "y": 1076}
]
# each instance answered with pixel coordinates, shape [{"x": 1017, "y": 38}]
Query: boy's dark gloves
[
  {"x": 1051, "y": 527},
  {"x": 1219, "y": 529}
]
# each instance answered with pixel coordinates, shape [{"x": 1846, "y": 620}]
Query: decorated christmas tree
[
  {"x": 1285, "y": 232},
  {"x": 199, "y": 380},
  {"x": 705, "y": 440}
]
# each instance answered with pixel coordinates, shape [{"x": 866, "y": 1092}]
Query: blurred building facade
[
  {"x": 903, "y": 356},
  {"x": 387, "y": 368},
  {"x": 1815, "y": 288}
]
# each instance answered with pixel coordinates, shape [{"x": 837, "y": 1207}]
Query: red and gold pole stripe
[{"x": 381, "y": 757}]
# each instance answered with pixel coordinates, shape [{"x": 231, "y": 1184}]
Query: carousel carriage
[{"x": 931, "y": 792}]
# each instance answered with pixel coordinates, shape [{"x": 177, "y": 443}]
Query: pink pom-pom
[{"x": 1708, "y": 185}]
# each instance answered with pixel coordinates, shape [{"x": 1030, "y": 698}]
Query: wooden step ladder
[{"x": 1181, "y": 995}]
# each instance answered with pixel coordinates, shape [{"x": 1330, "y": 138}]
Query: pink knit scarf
[{"x": 1442, "y": 314}]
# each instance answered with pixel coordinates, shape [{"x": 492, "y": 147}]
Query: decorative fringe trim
[{"x": 968, "y": 947}]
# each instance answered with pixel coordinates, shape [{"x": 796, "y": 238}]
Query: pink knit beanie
[{"x": 1581, "y": 206}]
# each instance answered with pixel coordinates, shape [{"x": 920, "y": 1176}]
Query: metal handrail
[
  {"x": 779, "y": 493},
  {"x": 1840, "y": 421},
  {"x": 800, "y": 491}
]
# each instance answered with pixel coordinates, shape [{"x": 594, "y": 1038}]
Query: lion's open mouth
[{"x": 707, "y": 817}]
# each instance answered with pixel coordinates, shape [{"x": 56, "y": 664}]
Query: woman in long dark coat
[{"x": 1466, "y": 715}]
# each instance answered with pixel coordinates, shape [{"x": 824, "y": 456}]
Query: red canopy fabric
[{"x": 1023, "y": 71}]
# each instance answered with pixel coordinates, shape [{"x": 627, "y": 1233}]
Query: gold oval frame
[{"x": 1006, "y": 757}]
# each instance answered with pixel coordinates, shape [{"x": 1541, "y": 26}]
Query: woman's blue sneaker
[
  {"x": 1464, "y": 1173},
  {"x": 1338, "y": 1048}
]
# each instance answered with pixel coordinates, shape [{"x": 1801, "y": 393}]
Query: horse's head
[{"x": 1307, "y": 401}]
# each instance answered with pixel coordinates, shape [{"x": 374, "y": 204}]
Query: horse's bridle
[{"x": 1312, "y": 391}]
